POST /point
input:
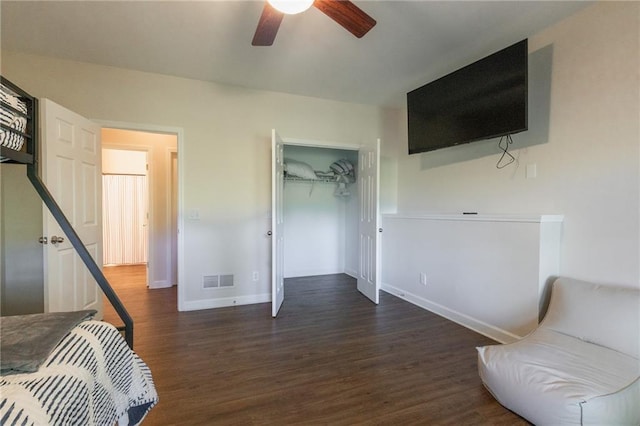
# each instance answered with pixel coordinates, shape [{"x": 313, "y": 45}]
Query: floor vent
[{"x": 217, "y": 281}]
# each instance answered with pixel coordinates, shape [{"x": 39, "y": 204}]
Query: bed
[
  {"x": 64, "y": 368},
  {"x": 83, "y": 373}
]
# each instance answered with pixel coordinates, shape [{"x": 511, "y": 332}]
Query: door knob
[
  {"x": 57, "y": 240},
  {"x": 43, "y": 240},
  {"x": 269, "y": 233}
]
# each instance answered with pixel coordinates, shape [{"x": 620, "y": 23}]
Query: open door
[
  {"x": 71, "y": 169},
  {"x": 369, "y": 228},
  {"x": 277, "y": 234}
]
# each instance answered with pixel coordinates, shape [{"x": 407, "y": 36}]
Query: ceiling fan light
[{"x": 291, "y": 7}]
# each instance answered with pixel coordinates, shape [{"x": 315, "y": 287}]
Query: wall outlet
[
  {"x": 531, "y": 171},
  {"x": 256, "y": 276},
  {"x": 423, "y": 278}
]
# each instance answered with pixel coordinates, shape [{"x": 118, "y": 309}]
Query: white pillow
[{"x": 299, "y": 169}]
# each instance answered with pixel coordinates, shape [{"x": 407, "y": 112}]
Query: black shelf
[
  {"x": 27, "y": 154},
  {"x": 11, "y": 156}
]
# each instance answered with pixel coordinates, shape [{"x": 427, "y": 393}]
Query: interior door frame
[
  {"x": 179, "y": 133},
  {"x": 328, "y": 145},
  {"x": 171, "y": 153}
]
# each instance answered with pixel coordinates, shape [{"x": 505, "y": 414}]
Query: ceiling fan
[{"x": 344, "y": 12}]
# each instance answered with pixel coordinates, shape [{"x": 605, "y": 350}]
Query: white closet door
[
  {"x": 124, "y": 198},
  {"x": 277, "y": 222},
  {"x": 369, "y": 227}
]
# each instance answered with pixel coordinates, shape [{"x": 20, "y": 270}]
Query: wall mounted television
[{"x": 483, "y": 100}]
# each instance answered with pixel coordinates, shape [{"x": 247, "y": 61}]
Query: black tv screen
[{"x": 483, "y": 100}]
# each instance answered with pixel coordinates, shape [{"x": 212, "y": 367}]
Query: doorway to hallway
[{"x": 156, "y": 219}]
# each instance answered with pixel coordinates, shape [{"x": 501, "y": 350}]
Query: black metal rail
[
  {"x": 82, "y": 251},
  {"x": 34, "y": 177}
]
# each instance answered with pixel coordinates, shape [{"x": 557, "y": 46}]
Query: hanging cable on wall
[{"x": 504, "y": 162}]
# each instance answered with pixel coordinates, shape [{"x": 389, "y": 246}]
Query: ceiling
[{"x": 413, "y": 42}]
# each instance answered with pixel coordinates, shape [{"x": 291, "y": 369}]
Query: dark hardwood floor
[{"x": 331, "y": 357}]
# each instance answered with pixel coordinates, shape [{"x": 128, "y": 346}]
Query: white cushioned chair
[{"x": 581, "y": 366}]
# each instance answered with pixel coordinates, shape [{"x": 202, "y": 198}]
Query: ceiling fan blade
[
  {"x": 267, "y": 26},
  {"x": 347, "y": 14}
]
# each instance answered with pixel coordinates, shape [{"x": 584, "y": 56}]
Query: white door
[
  {"x": 277, "y": 237},
  {"x": 369, "y": 229},
  {"x": 71, "y": 170}
]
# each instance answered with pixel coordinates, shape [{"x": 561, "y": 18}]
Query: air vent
[
  {"x": 217, "y": 281},
  {"x": 211, "y": 281},
  {"x": 226, "y": 280}
]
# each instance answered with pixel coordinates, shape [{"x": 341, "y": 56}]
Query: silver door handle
[
  {"x": 43, "y": 240},
  {"x": 269, "y": 233},
  {"x": 57, "y": 240}
]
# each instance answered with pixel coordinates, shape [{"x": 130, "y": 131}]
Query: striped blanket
[
  {"x": 12, "y": 119},
  {"x": 90, "y": 378}
]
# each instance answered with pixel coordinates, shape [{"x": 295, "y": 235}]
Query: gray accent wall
[{"x": 21, "y": 257}]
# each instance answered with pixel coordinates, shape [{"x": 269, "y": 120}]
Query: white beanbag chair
[{"x": 581, "y": 366}]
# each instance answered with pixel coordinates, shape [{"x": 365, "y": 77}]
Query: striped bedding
[
  {"x": 90, "y": 378},
  {"x": 12, "y": 119}
]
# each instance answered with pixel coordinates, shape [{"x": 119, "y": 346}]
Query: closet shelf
[{"x": 318, "y": 180}]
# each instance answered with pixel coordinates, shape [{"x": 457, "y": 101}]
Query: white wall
[
  {"x": 489, "y": 273},
  {"x": 585, "y": 145},
  {"x": 123, "y": 162},
  {"x": 21, "y": 255},
  {"x": 587, "y": 166},
  {"x": 318, "y": 226},
  {"x": 224, "y": 164}
]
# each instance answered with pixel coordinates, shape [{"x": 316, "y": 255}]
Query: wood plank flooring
[{"x": 331, "y": 357}]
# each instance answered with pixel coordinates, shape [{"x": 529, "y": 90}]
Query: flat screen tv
[{"x": 483, "y": 100}]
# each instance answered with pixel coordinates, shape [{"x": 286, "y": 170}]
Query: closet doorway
[
  {"x": 125, "y": 207},
  {"x": 151, "y": 207},
  {"x": 330, "y": 220}
]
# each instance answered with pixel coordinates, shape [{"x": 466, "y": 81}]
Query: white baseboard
[
  {"x": 316, "y": 272},
  {"x": 474, "y": 324},
  {"x": 160, "y": 284},
  {"x": 352, "y": 273},
  {"x": 224, "y": 302},
  {"x": 311, "y": 272}
]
